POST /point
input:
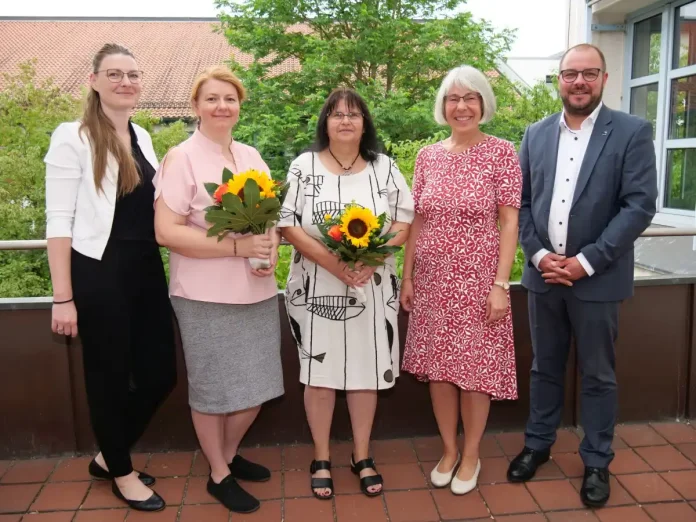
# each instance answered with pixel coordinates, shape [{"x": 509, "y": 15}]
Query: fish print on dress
[{"x": 333, "y": 307}]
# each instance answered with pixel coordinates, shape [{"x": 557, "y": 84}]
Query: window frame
[{"x": 663, "y": 79}]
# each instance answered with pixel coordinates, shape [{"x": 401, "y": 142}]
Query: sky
[{"x": 535, "y": 37}]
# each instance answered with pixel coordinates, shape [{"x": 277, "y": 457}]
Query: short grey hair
[{"x": 469, "y": 78}]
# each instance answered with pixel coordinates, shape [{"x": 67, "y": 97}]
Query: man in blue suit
[{"x": 589, "y": 191}]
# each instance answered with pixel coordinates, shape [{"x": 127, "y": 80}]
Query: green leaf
[
  {"x": 252, "y": 195},
  {"x": 211, "y": 188},
  {"x": 232, "y": 203},
  {"x": 226, "y": 175}
]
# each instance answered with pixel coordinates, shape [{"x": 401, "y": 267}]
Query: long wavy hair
[
  {"x": 369, "y": 146},
  {"x": 102, "y": 133}
]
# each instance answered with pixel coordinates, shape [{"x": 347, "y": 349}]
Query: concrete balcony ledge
[
  {"x": 43, "y": 408},
  {"x": 42, "y": 303}
]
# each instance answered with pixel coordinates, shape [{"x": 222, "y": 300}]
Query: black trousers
[
  {"x": 125, "y": 323},
  {"x": 553, "y": 317}
]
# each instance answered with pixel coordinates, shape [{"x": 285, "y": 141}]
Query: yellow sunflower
[
  {"x": 263, "y": 180},
  {"x": 357, "y": 225}
]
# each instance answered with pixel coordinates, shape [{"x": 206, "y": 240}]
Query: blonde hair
[
  {"x": 102, "y": 133},
  {"x": 469, "y": 78},
  {"x": 221, "y": 73}
]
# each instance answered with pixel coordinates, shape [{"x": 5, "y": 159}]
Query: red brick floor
[{"x": 653, "y": 479}]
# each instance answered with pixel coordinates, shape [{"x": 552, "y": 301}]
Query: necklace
[{"x": 346, "y": 170}]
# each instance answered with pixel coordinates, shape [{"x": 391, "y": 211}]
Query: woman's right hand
[
  {"x": 341, "y": 271},
  {"x": 64, "y": 319},
  {"x": 256, "y": 245},
  {"x": 406, "y": 299}
]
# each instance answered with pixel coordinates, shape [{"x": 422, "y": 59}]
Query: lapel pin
[{"x": 605, "y": 133}]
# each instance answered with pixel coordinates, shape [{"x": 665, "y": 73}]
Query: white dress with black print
[{"x": 344, "y": 344}]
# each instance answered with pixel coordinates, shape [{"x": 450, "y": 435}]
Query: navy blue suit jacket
[{"x": 614, "y": 201}]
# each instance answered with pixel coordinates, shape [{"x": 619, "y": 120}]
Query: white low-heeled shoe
[
  {"x": 462, "y": 487},
  {"x": 440, "y": 480}
]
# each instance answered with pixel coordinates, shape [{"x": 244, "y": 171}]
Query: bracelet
[
  {"x": 406, "y": 278},
  {"x": 234, "y": 242},
  {"x": 63, "y": 302}
]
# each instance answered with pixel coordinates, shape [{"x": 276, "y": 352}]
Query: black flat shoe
[
  {"x": 231, "y": 495},
  {"x": 100, "y": 473},
  {"x": 321, "y": 483},
  {"x": 154, "y": 503},
  {"x": 242, "y": 469},
  {"x": 524, "y": 466},
  {"x": 369, "y": 481},
  {"x": 595, "y": 487}
]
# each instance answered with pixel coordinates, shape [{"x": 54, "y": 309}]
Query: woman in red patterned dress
[{"x": 459, "y": 255}]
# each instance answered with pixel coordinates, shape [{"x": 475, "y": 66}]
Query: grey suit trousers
[{"x": 554, "y": 316}]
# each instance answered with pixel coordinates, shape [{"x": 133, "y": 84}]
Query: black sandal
[
  {"x": 321, "y": 483},
  {"x": 369, "y": 481}
]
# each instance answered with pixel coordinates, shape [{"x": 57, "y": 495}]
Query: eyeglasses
[
  {"x": 469, "y": 99},
  {"x": 116, "y": 75},
  {"x": 589, "y": 75},
  {"x": 352, "y": 116}
]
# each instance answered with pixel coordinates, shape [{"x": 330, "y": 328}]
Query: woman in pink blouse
[{"x": 227, "y": 311}]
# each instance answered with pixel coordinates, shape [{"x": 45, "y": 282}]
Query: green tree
[
  {"x": 29, "y": 112},
  {"x": 516, "y": 111},
  {"x": 394, "y": 52},
  {"x": 164, "y": 137}
]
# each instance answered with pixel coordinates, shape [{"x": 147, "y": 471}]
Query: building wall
[{"x": 649, "y": 92}]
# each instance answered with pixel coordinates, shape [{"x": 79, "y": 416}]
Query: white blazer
[{"x": 74, "y": 207}]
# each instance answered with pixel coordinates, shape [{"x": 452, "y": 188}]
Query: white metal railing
[{"x": 40, "y": 244}]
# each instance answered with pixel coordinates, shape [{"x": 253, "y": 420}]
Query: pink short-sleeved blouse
[{"x": 179, "y": 181}]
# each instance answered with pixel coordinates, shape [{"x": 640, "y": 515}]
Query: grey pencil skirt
[{"x": 232, "y": 353}]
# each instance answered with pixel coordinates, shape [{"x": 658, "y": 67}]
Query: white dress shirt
[{"x": 572, "y": 146}]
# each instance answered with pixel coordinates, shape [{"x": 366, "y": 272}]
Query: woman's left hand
[
  {"x": 265, "y": 272},
  {"x": 364, "y": 273},
  {"x": 496, "y": 304}
]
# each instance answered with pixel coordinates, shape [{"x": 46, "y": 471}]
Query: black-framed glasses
[
  {"x": 116, "y": 75},
  {"x": 352, "y": 116},
  {"x": 469, "y": 99},
  {"x": 589, "y": 75}
]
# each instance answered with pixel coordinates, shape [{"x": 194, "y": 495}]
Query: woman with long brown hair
[{"x": 107, "y": 274}]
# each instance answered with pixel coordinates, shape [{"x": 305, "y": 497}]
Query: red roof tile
[{"x": 171, "y": 53}]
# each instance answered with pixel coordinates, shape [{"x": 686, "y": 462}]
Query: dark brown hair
[
  {"x": 369, "y": 146},
  {"x": 102, "y": 133}
]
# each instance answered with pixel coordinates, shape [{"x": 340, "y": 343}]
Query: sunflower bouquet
[
  {"x": 247, "y": 202},
  {"x": 354, "y": 235}
]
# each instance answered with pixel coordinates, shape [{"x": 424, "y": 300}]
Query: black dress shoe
[
  {"x": 242, "y": 469},
  {"x": 595, "y": 487},
  {"x": 154, "y": 503},
  {"x": 524, "y": 466},
  {"x": 100, "y": 473},
  {"x": 231, "y": 495}
]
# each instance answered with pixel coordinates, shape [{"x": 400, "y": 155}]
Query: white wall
[{"x": 612, "y": 44}]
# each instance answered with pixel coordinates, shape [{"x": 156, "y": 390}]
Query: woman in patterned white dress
[
  {"x": 343, "y": 343},
  {"x": 457, "y": 265}
]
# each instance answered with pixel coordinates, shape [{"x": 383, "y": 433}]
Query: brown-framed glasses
[
  {"x": 469, "y": 99},
  {"x": 589, "y": 75},
  {"x": 116, "y": 75}
]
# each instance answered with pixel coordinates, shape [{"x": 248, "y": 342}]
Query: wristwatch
[{"x": 503, "y": 284}]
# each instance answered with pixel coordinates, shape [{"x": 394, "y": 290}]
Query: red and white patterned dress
[{"x": 456, "y": 259}]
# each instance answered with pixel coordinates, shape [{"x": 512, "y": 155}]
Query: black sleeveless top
[{"x": 134, "y": 216}]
